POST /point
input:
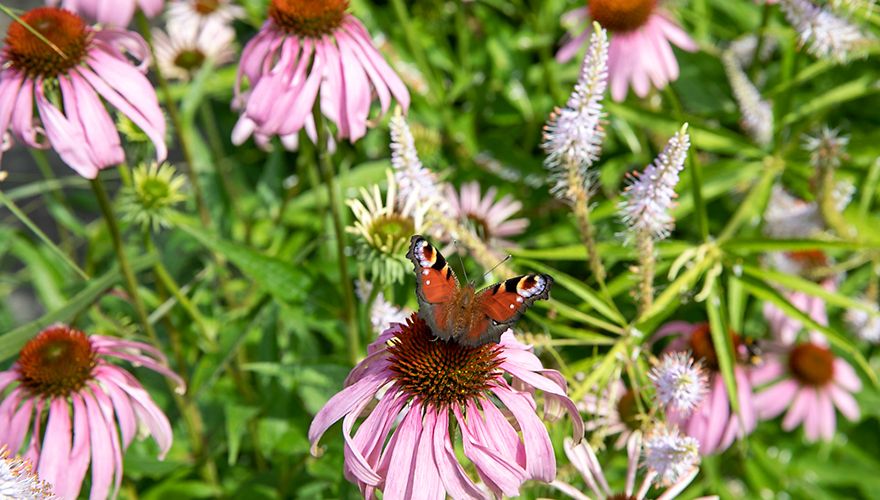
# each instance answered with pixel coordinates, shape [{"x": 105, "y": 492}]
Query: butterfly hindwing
[
  {"x": 436, "y": 284},
  {"x": 503, "y": 304}
]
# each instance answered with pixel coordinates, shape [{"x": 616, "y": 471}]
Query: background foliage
[{"x": 262, "y": 341}]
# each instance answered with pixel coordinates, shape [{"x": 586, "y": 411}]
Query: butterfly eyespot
[
  {"x": 425, "y": 272},
  {"x": 512, "y": 306},
  {"x": 519, "y": 299},
  {"x": 427, "y": 282}
]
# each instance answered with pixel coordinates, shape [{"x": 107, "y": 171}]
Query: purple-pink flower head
[
  {"x": 304, "y": 49},
  {"x": 809, "y": 381},
  {"x": 406, "y": 445},
  {"x": 111, "y": 12},
  {"x": 640, "y": 54},
  {"x": 91, "y": 409},
  {"x": 712, "y": 422},
  {"x": 70, "y": 85}
]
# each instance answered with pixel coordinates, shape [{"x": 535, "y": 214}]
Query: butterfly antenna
[
  {"x": 460, "y": 260},
  {"x": 505, "y": 259}
]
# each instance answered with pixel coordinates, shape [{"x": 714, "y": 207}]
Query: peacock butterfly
[{"x": 461, "y": 313}]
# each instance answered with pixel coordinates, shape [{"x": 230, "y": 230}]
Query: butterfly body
[{"x": 461, "y": 313}]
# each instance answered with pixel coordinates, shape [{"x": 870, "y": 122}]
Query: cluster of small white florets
[
  {"x": 670, "y": 454},
  {"x": 413, "y": 179},
  {"x": 18, "y": 480},
  {"x": 824, "y": 34},
  {"x": 574, "y": 134},
  {"x": 649, "y": 199},
  {"x": 679, "y": 381}
]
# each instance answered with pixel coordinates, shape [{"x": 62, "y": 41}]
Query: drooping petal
[
  {"x": 103, "y": 461},
  {"x": 341, "y": 404},
  {"x": 455, "y": 480},
  {"x": 56, "y": 445},
  {"x": 427, "y": 483},
  {"x": 80, "y": 452},
  {"x": 400, "y": 480},
  {"x": 540, "y": 459}
]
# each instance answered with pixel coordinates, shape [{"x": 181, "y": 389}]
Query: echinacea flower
[
  {"x": 117, "y": 13},
  {"x": 437, "y": 390},
  {"x": 70, "y": 92},
  {"x": 612, "y": 411},
  {"x": 195, "y": 15},
  {"x": 92, "y": 409},
  {"x": 488, "y": 216},
  {"x": 18, "y": 481},
  {"x": 182, "y": 52},
  {"x": 671, "y": 461},
  {"x": 809, "y": 381},
  {"x": 679, "y": 382},
  {"x": 384, "y": 228},
  {"x": 303, "y": 48},
  {"x": 642, "y": 36},
  {"x": 150, "y": 199},
  {"x": 713, "y": 422}
]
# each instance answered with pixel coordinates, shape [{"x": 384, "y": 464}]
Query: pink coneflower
[
  {"x": 194, "y": 15},
  {"x": 712, "y": 422},
  {"x": 613, "y": 411},
  {"x": 810, "y": 381},
  {"x": 490, "y": 218},
  {"x": 785, "y": 328},
  {"x": 429, "y": 384},
  {"x": 69, "y": 91},
  {"x": 91, "y": 409},
  {"x": 111, "y": 12},
  {"x": 669, "y": 458},
  {"x": 640, "y": 54},
  {"x": 181, "y": 52},
  {"x": 305, "y": 47}
]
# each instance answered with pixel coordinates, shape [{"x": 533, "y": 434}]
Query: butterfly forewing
[{"x": 436, "y": 285}]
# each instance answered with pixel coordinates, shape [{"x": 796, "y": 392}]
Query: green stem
[
  {"x": 696, "y": 170},
  {"x": 188, "y": 409},
  {"x": 761, "y": 34},
  {"x": 647, "y": 262},
  {"x": 417, "y": 50},
  {"x": 326, "y": 168},
  {"x": 55, "y": 196},
  {"x": 174, "y": 115}
]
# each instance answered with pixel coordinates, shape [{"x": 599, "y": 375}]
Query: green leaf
[
  {"x": 749, "y": 246},
  {"x": 764, "y": 291},
  {"x": 237, "y": 418},
  {"x": 12, "y": 342},
  {"x": 797, "y": 283},
  {"x": 582, "y": 291},
  {"x": 278, "y": 278},
  {"x": 723, "y": 343}
]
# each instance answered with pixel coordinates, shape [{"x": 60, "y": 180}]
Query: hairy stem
[{"x": 647, "y": 262}]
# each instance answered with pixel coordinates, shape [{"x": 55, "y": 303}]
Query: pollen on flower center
[
  {"x": 811, "y": 364},
  {"x": 205, "y": 7},
  {"x": 308, "y": 17},
  {"x": 56, "y": 362},
  {"x": 65, "y": 30},
  {"x": 621, "y": 15},
  {"x": 437, "y": 372},
  {"x": 392, "y": 228}
]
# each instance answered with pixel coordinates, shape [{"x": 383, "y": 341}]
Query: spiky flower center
[
  {"x": 68, "y": 34},
  {"x": 620, "y": 496},
  {"x": 57, "y": 362},
  {"x": 391, "y": 228},
  {"x": 309, "y": 18},
  {"x": 480, "y": 226},
  {"x": 811, "y": 364},
  {"x": 189, "y": 59},
  {"x": 629, "y": 410},
  {"x": 621, "y": 15},
  {"x": 441, "y": 373},
  {"x": 205, "y": 7}
]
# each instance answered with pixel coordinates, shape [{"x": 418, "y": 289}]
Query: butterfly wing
[
  {"x": 436, "y": 285},
  {"x": 503, "y": 304}
]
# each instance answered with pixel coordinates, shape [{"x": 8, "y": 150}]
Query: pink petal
[
  {"x": 106, "y": 407},
  {"x": 56, "y": 445},
  {"x": 343, "y": 403},
  {"x": 769, "y": 371},
  {"x": 427, "y": 482},
  {"x": 23, "y": 116},
  {"x": 571, "y": 47},
  {"x": 827, "y": 416},
  {"x": 400, "y": 481},
  {"x": 845, "y": 403},
  {"x": 66, "y": 138},
  {"x": 801, "y": 405},
  {"x": 85, "y": 111},
  {"x": 388, "y": 75},
  {"x": 124, "y": 413},
  {"x": 719, "y": 413},
  {"x": 540, "y": 460},
  {"x": 499, "y": 472},
  {"x": 151, "y": 8},
  {"x": 20, "y": 420},
  {"x": 10, "y": 83},
  {"x": 845, "y": 376},
  {"x": 80, "y": 453},
  {"x": 357, "y": 93},
  {"x": 146, "y": 410},
  {"x": 332, "y": 90},
  {"x": 772, "y": 401},
  {"x": 103, "y": 463},
  {"x": 455, "y": 480},
  {"x": 356, "y": 464}
]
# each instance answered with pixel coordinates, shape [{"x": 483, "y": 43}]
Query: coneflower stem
[
  {"x": 326, "y": 168},
  {"x": 645, "y": 250},
  {"x": 174, "y": 115},
  {"x": 187, "y": 408}
]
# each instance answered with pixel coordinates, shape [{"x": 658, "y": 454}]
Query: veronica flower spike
[
  {"x": 90, "y": 407},
  {"x": 71, "y": 90},
  {"x": 307, "y": 47},
  {"x": 642, "y": 36},
  {"x": 434, "y": 393}
]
